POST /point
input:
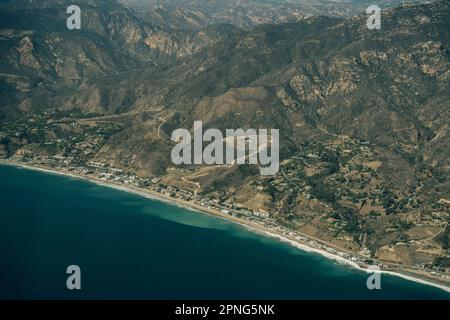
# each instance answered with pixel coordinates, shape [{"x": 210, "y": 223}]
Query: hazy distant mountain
[{"x": 244, "y": 13}]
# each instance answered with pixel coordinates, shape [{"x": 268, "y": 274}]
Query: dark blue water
[{"x": 132, "y": 248}]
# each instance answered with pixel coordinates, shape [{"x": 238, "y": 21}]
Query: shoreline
[{"x": 252, "y": 227}]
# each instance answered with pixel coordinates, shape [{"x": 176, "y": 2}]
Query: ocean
[{"x": 131, "y": 247}]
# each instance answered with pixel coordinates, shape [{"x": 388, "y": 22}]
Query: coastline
[{"x": 253, "y": 227}]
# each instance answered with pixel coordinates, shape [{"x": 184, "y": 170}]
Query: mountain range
[{"x": 363, "y": 114}]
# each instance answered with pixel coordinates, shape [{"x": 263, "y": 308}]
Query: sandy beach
[{"x": 147, "y": 193}]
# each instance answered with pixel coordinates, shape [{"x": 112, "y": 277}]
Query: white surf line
[{"x": 355, "y": 265}]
